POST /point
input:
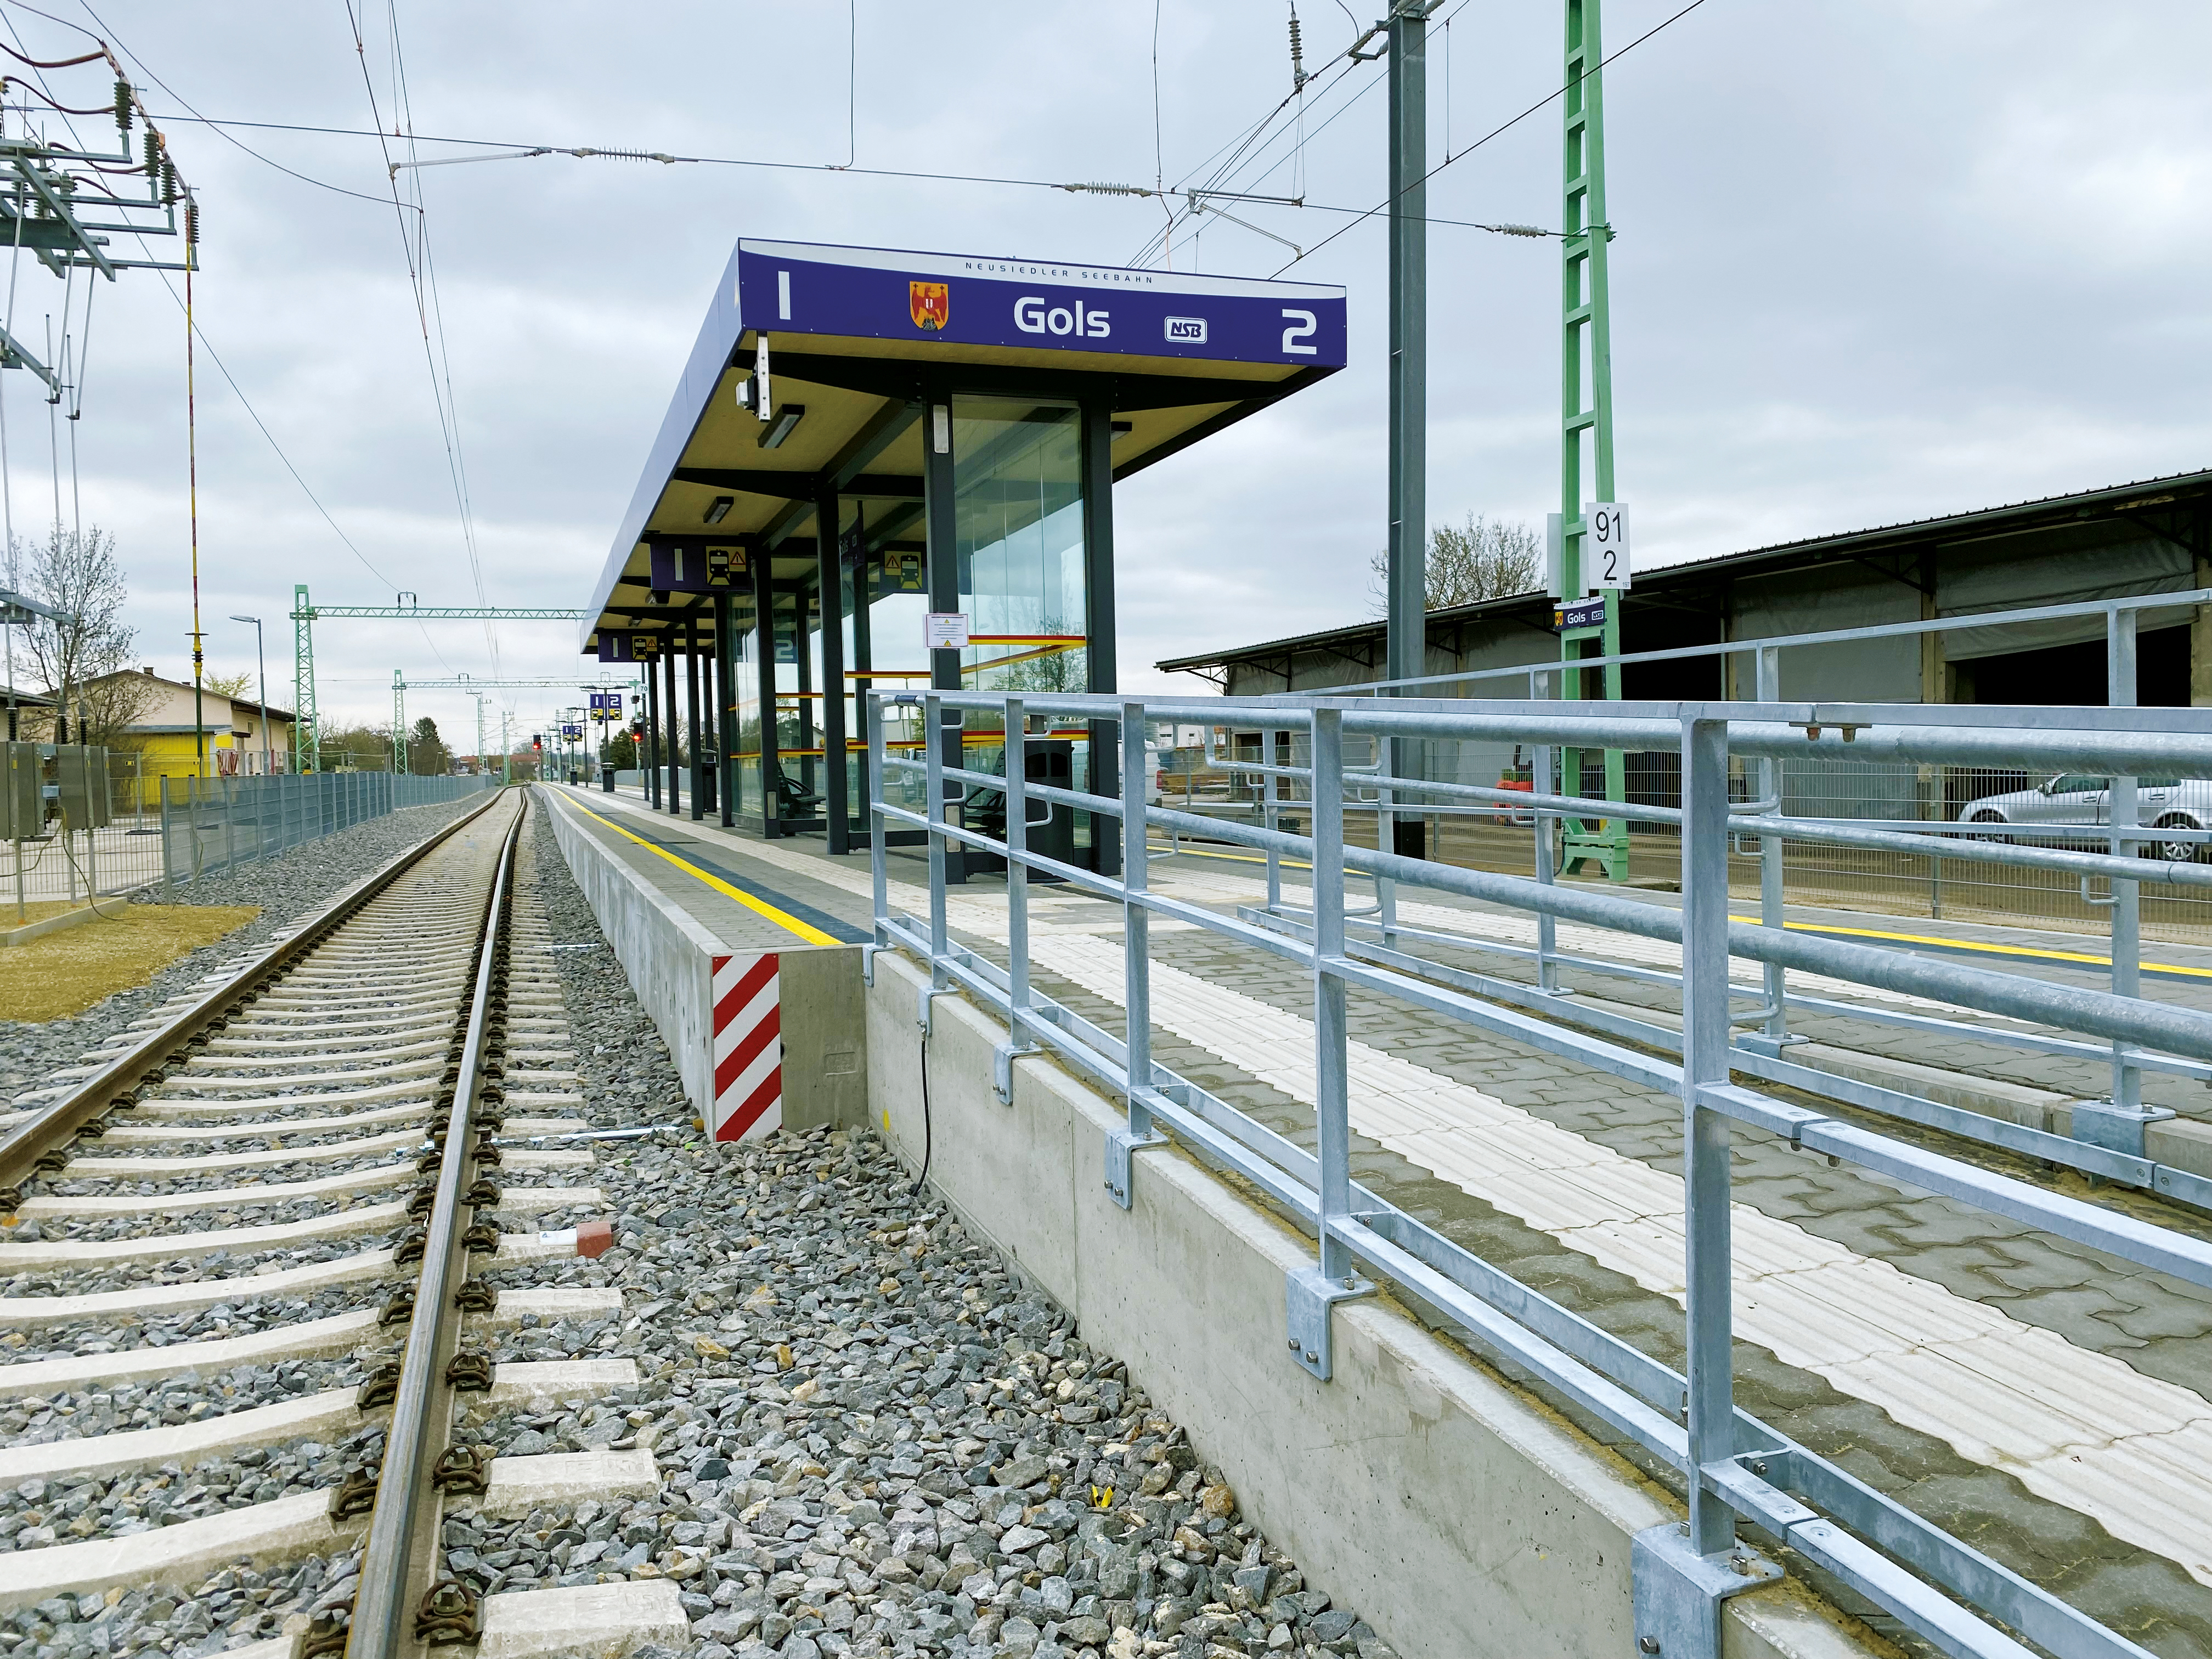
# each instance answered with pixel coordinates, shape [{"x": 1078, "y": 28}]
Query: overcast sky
[{"x": 1874, "y": 260}]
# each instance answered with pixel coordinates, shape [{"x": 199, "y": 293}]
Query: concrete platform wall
[
  {"x": 665, "y": 953},
  {"x": 668, "y": 954},
  {"x": 1459, "y": 1517}
]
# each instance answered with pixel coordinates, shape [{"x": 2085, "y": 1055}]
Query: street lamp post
[{"x": 261, "y": 658}]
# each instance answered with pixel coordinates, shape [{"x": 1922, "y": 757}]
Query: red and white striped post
[{"x": 748, "y": 1046}]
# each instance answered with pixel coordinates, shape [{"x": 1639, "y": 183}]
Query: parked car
[{"x": 2074, "y": 799}]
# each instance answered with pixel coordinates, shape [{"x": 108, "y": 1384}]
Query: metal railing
[
  {"x": 211, "y": 824},
  {"x": 1898, "y": 879},
  {"x": 1732, "y": 1467}
]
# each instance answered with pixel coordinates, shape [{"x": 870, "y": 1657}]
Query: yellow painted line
[
  {"x": 761, "y": 906},
  {"x": 2025, "y": 951},
  {"x": 2019, "y": 952}
]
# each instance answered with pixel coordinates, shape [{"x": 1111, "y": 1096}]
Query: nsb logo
[{"x": 1187, "y": 331}]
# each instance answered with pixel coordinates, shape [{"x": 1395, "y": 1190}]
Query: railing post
[
  {"x": 1272, "y": 744},
  {"x": 878, "y": 872},
  {"x": 1705, "y": 1034},
  {"x": 932, "y": 713},
  {"x": 2118, "y": 1124},
  {"x": 1310, "y": 1291},
  {"x": 1772, "y": 897},
  {"x": 168, "y": 862},
  {"x": 1136, "y": 966},
  {"x": 1542, "y": 778},
  {"x": 1015, "y": 725}
]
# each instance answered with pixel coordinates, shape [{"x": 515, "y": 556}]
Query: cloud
[{"x": 1872, "y": 262}]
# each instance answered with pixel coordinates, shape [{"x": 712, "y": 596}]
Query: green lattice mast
[
  {"x": 398, "y": 723},
  {"x": 307, "y": 737},
  {"x": 1587, "y": 334}
]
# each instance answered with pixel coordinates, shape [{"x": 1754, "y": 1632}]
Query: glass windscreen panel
[
  {"x": 743, "y": 737},
  {"x": 1018, "y": 527}
]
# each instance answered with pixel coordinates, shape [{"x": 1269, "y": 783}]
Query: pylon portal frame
[{"x": 307, "y": 732}]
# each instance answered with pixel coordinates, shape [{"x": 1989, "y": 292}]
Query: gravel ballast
[{"x": 875, "y": 1438}]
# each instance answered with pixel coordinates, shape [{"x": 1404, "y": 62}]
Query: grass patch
[
  {"x": 36, "y": 910},
  {"x": 66, "y": 972}
]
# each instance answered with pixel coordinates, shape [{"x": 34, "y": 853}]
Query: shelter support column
[
  {"x": 830, "y": 572},
  {"x": 942, "y": 540},
  {"x": 1099, "y": 653},
  {"x": 648, "y": 754},
  {"x": 725, "y": 713},
  {"x": 771, "y": 764},
  {"x": 673, "y": 723},
  {"x": 691, "y": 707}
]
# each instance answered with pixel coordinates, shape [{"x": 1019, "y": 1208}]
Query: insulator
[
  {"x": 1298, "y": 55},
  {"x": 1520, "y": 230},
  {"x": 123, "y": 103},
  {"x": 192, "y": 224},
  {"x": 168, "y": 181}
]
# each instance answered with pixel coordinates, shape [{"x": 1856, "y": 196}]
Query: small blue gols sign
[{"x": 1578, "y": 613}]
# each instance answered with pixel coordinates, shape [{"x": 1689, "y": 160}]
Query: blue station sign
[
  {"x": 798, "y": 287},
  {"x": 1569, "y": 614}
]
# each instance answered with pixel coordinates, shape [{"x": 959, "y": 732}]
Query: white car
[{"x": 2057, "y": 806}]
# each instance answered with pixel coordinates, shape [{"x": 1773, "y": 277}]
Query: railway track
[{"x": 306, "y": 1177}]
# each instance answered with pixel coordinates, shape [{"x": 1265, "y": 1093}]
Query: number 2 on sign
[{"x": 1605, "y": 538}]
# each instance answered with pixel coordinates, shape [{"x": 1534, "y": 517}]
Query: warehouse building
[{"x": 2150, "y": 538}]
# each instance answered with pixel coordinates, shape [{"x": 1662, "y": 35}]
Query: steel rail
[
  {"x": 118, "y": 1084},
  {"x": 379, "y": 1628}
]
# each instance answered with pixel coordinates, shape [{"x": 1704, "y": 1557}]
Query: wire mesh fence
[{"x": 208, "y": 824}]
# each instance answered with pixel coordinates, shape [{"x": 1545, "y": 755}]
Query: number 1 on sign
[{"x": 1605, "y": 543}]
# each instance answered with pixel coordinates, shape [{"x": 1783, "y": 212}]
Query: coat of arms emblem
[{"x": 931, "y": 303}]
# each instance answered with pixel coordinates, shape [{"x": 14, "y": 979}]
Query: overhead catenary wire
[
  {"x": 1383, "y": 206},
  {"x": 140, "y": 64},
  {"x": 403, "y": 110},
  {"x": 520, "y": 150},
  {"x": 415, "y": 249}
]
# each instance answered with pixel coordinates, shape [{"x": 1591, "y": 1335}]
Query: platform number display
[{"x": 1605, "y": 546}]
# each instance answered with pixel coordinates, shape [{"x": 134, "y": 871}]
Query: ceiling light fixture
[
  {"x": 719, "y": 509},
  {"x": 780, "y": 425}
]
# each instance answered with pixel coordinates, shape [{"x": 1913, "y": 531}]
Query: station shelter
[{"x": 863, "y": 440}]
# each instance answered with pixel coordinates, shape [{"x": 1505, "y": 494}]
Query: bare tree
[
  {"x": 1484, "y": 559},
  {"x": 1053, "y": 669},
  {"x": 80, "y": 657},
  {"x": 237, "y": 688}
]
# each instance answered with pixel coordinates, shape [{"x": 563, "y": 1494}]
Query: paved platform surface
[{"x": 2045, "y": 1403}]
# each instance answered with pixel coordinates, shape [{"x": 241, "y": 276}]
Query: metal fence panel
[{"x": 211, "y": 824}]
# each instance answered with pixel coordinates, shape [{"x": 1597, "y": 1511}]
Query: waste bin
[
  {"x": 607, "y": 777},
  {"x": 1050, "y": 761}
]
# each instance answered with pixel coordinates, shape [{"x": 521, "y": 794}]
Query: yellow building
[{"x": 157, "y": 740}]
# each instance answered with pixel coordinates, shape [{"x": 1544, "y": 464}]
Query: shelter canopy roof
[{"x": 857, "y": 339}]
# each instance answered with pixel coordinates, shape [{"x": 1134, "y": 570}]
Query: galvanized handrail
[{"x": 1732, "y": 1467}]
